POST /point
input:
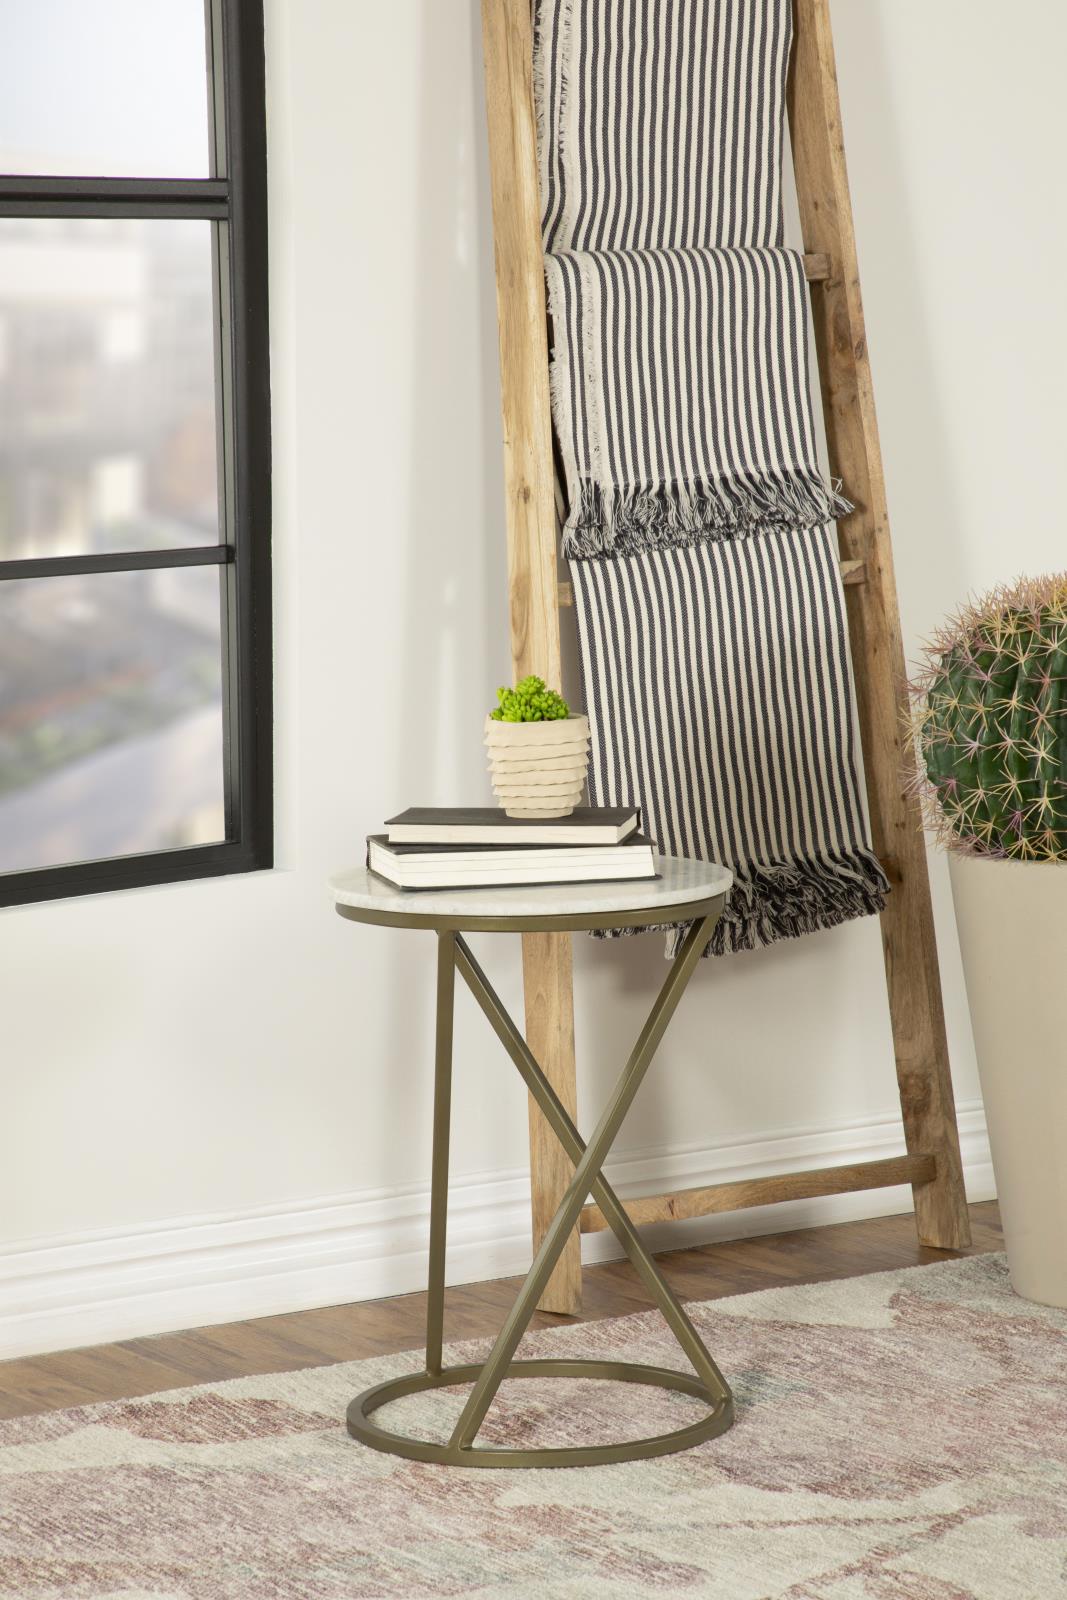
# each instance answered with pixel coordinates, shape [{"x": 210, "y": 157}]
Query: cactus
[{"x": 990, "y": 724}]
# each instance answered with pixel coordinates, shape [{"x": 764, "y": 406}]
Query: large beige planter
[
  {"x": 1012, "y": 920},
  {"x": 538, "y": 768}
]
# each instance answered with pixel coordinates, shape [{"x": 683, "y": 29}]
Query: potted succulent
[
  {"x": 990, "y": 711},
  {"x": 538, "y": 751}
]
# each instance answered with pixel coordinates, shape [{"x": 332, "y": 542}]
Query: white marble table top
[{"x": 680, "y": 882}]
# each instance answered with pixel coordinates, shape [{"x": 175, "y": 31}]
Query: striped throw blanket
[
  {"x": 680, "y": 397},
  {"x": 661, "y": 122},
  {"x": 717, "y": 687},
  {"x": 710, "y": 608}
]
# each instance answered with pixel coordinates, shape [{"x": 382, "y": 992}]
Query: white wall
[{"x": 216, "y": 1094}]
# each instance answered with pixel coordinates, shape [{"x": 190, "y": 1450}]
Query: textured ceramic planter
[
  {"x": 1012, "y": 920},
  {"x": 538, "y": 768}
]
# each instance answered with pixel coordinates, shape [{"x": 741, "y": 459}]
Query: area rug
[{"x": 901, "y": 1436}]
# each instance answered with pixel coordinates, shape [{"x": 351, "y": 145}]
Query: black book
[
  {"x": 588, "y": 825},
  {"x": 486, "y": 866}
]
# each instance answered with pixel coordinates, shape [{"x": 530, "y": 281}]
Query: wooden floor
[{"x": 348, "y": 1333}]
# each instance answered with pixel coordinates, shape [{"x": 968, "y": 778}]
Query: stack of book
[{"x": 454, "y": 848}]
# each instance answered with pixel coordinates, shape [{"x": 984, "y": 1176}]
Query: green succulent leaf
[{"x": 529, "y": 701}]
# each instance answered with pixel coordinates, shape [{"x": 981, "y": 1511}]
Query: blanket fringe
[
  {"x": 785, "y": 900},
  {"x": 633, "y": 520},
  {"x": 550, "y": 139}
]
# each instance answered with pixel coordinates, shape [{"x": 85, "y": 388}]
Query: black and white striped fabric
[
  {"x": 680, "y": 397},
  {"x": 719, "y": 700},
  {"x": 709, "y": 600},
  {"x": 661, "y": 122}
]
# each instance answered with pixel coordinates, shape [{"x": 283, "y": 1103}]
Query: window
[{"x": 135, "y": 643}]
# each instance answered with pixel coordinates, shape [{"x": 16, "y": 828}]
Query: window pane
[
  {"x": 107, "y": 386},
  {"x": 104, "y": 88},
  {"x": 110, "y": 715}
]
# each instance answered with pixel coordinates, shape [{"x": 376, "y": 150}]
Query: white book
[{"x": 454, "y": 867}]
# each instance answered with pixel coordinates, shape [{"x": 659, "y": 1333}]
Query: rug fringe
[
  {"x": 633, "y": 520},
  {"x": 785, "y": 900}
]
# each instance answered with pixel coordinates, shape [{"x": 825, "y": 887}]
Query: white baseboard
[{"x": 58, "y": 1293}]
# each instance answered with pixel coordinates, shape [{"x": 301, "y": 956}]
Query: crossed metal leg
[{"x": 707, "y": 1384}]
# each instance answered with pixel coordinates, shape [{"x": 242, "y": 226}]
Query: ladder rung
[
  {"x": 851, "y": 572},
  {"x": 687, "y": 1203}
]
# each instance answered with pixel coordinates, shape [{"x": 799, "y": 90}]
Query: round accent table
[{"x": 683, "y": 891}]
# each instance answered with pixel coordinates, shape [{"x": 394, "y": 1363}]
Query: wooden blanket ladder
[{"x": 932, "y": 1163}]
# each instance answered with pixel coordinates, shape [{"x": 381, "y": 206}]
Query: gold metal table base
[
  {"x": 705, "y": 1383},
  {"x": 361, "y": 1425}
]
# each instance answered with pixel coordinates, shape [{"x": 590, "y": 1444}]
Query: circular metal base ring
[{"x": 362, "y": 1426}]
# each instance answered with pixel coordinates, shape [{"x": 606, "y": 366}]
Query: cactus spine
[{"x": 990, "y": 721}]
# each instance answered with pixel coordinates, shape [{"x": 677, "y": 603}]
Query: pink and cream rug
[{"x": 901, "y": 1436}]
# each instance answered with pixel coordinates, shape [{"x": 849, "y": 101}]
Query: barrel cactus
[{"x": 990, "y": 721}]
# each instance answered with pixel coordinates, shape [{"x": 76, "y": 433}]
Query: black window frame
[{"x": 234, "y": 200}]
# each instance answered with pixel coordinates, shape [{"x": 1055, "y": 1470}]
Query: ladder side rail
[
  {"x": 533, "y": 598},
  {"x": 909, "y": 947}
]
